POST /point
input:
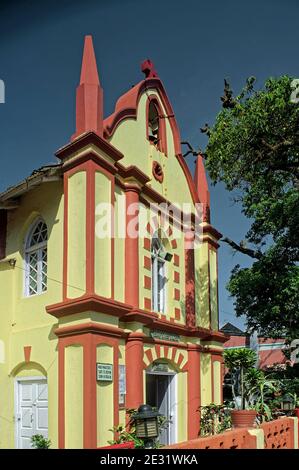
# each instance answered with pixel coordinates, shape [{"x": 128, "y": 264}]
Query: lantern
[
  {"x": 287, "y": 404},
  {"x": 147, "y": 427}
]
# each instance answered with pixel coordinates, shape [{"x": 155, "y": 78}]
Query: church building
[{"x": 108, "y": 278}]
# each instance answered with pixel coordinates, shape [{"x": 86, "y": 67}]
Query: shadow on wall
[{"x": 194, "y": 305}]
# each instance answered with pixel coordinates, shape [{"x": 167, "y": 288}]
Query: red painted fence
[{"x": 279, "y": 434}]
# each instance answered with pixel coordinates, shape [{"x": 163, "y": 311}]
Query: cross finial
[{"x": 148, "y": 69}]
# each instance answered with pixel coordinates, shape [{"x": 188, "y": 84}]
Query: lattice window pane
[
  {"x": 36, "y": 260},
  {"x": 44, "y": 269},
  {"x": 39, "y": 235}
]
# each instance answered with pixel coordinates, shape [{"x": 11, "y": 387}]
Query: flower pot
[
  {"x": 296, "y": 412},
  {"x": 243, "y": 418}
]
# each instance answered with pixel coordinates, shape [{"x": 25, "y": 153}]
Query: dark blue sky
[{"x": 194, "y": 44}]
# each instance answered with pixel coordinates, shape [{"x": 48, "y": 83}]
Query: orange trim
[
  {"x": 174, "y": 244},
  {"x": 147, "y": 303},
  {"x": 212, "y": 231},
  {"x": 147, "y": 282},
  {"x": 177, "y": 294},
  {"x": 176, "y": 260},
  {"x": 193, "y": 390},
  {"x": 177, "y": 313},
  {"x": 89, "y": 138},
  {"x": 134, "y": 370},
  {"x": 27, "y": 353},
  {"x": 126, "y": 107},
  {"x": 147, "y": 263},
  {"x": 85, "y": 303},
  {"x": 147, "y": 244},
  {"x": 176, "y": 277},
  {"x": 132, "y": 172},
  {"x": 85, "y": 328}
]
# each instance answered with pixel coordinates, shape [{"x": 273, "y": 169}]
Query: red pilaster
[
  {"x": 134, "y": 370},
  {"x": 202, "y": 188},
  {"x": 193, "y": 390},
  {"x": 131, "y": 249},
  {"x": 189, "y": 279}
]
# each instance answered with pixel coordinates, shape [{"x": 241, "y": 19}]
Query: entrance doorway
[
  {"x": 31, "y": 410},
  {"x": 161, "y": 394}
]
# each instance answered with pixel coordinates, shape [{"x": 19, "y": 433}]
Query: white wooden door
[{"x": 32, "y": 411}]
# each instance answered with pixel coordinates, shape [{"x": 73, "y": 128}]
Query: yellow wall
[
  {"x": 130, "y": 138},
  {"x": 201, "y": 256},
  {"x": 103, "y": 220},
  {"x": 182, "y": 407},
  {"x": 73, "y": 397},
  {"x": 205, "y": 379},
  {"x": 76, "y": 275},
  {"x": 119, "y": 245},
  {"x": 23, "y": 320},
  {"x": 217, "y": 381},
  {"x": 213, "y": 290},
  {"x": 145, "y": 216},
  {"x": 104, "y": 399}
]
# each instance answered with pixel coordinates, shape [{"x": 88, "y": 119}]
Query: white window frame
[
  {"x": 38, "y": 248},
  {"x": 158, "y": 265}
]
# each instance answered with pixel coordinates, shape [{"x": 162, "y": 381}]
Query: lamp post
[
  {"x": 287, "y": 404},
  {"x": 147, "y": 427}
]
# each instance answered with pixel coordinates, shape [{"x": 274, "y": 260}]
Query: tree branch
[{"x": 256, "y": 254}]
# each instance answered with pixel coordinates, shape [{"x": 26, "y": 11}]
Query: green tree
[{"x": 253, "y": 149}]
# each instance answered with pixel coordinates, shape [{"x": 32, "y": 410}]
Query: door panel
[
  {"x": 160, "y": 393},
  {"x": 32, "y": 412}
]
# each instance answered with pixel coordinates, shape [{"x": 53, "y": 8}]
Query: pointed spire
[
  {"x": 89, "y": 70},
  {"x": 202, "y": 188},
  {"x": 89, "y": 95}
]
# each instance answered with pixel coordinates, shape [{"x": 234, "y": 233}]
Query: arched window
[
  {"x": 159, "y": 257},
  {"x": 36, "y": 259},
  {"x": 156, "y": 126},
  {"x": 153, "y": 124}
]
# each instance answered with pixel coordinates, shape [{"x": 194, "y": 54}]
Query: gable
[{"x": 127, "y": 130}]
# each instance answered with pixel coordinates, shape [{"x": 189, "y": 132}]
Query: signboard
[
  {"x": 157, "y": 334},
  {"x": 122, "y": 378},
  {"x": 104, "y": 372},
  {"x": 121, "y": 384}
]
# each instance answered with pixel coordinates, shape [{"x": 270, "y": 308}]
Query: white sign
[{"x": 104, "y": 372}]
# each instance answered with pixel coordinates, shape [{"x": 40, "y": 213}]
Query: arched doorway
[
  {"x": 161, "y": 393},
  {"x": 31, "y": 403}
]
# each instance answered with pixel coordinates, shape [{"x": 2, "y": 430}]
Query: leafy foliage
[
  {"x": 253, "y": 149},
  {"x": 239, "y": 360},
  {"x": 38, "y": 441},
  {"x": 128, "y": 433},
  {"x": 214, "y": 419}
]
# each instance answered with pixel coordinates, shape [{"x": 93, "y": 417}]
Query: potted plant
[
  {"x": 239, "y": 361},
  {"x": 260, "y": 389}
]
